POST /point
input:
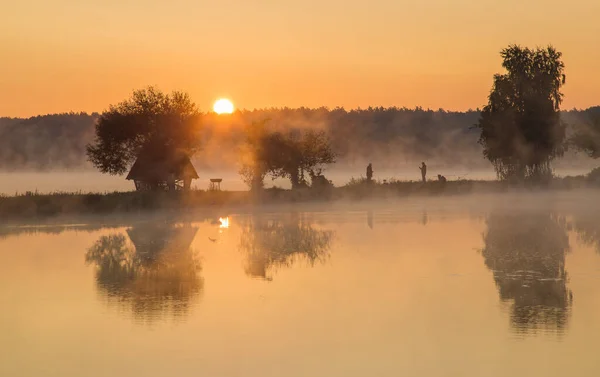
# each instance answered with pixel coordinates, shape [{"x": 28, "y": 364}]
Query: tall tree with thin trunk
[{"x": 521, "y": 130}]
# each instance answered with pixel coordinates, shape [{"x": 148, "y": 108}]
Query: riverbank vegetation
[{"x": 34, "y": 206}]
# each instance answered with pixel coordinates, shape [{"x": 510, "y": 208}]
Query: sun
[{"x": 223, "y": 106}]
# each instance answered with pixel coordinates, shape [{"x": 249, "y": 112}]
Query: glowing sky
[{"x": 82, "y": 55}]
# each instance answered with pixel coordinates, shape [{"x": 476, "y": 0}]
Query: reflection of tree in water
[
  {"x": 588, "y": 229},
  {"x": 526, "y": 252},
  {"x": 154, "y": 275},
  {"x": 272, "y": 243}
]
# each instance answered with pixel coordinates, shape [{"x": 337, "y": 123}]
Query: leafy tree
[
  {"x": 586, "y": 135},
  {"x": 148, "y": 122},
  {"x": 253, "y": 166},
  {"x": 291, "y": 155},
  {"x": 521, "y": 130}
]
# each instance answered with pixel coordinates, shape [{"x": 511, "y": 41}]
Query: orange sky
[{"x": 65, "y": 55}]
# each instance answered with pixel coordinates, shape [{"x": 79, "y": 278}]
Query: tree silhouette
[
  {"x": 291, "y": 154},
  {"x": 387, "y": 137},
  {"x": 526, "y": 253},
  {"x": 273, "y": 243},
  {"x": 521, "y": 130},
  {"x": 254, "y": 156},
  {"x": 151, "y": 122},
  {"x": 586, "y": 136},
  {"x": 294, "y": 155},
  {"x": 154, "y": 276}
]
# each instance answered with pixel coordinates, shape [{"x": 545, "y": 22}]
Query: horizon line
[{"x": 274, "y": 108}]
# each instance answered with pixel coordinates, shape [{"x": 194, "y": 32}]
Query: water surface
[{"x": 422, "y": 290}]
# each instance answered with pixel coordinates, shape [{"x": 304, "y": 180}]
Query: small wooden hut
[{"x": 172, "y": 171}]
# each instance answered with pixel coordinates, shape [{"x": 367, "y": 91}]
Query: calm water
[{"x": 430, "y": 288}]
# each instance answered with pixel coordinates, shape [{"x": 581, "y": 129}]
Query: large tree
[
  {"x": 586, "y": 135},
  {"x": 149, "y": 122},
  {"x": 293, "y": 155},
  {"x": 253, "y": 156},
  {"x": 521, "y": 130}
]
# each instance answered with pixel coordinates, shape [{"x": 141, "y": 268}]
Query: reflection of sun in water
[
  {"x": 223, "y": 106},
  {"x": 224, "y": 222}
]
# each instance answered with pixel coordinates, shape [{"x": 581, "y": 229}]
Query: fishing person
[{"x": 423, "y": 169}]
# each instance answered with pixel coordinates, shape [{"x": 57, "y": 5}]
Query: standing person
[
  {"x": 423, "y": 169},
  {"x": 369, "y": 172}
]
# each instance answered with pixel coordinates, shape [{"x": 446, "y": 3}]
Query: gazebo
[{"x": 172, "y": 171}]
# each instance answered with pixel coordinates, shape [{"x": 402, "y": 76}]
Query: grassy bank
[{"x": 32, "y": 206}]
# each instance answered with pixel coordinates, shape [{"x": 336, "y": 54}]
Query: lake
[{"x": 472, "y": 286}]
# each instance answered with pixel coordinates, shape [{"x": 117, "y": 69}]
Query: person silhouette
[
  {"x": 369, "y": 172},
  {"x": 423, "y": 169}
]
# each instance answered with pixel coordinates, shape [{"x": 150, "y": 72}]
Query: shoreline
[{"x": 39, "y": 208}]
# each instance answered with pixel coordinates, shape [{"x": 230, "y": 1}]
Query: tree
[
  {"x": 148, "y": 122},
  {"x": 521, "y": 130},
  {"x": 253, "y": 164},
  {"x": 294, "y": 154},
  {"x": 283, "y": 155},
  {"x": 586, "y": 135}
]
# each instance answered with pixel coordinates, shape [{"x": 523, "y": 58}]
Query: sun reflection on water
[{"x": 224, "y": 222}]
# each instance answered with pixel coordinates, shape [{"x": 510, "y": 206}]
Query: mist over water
[
  {"x": 92, "y": 181},
  {"x": 395, "y": 140},
  {"x": 474, "y": 285}
]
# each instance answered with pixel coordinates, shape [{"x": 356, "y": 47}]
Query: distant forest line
[{"x": 387, "y": 137}]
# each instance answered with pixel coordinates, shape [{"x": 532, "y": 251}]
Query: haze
[{"x": 71, "y": 55}]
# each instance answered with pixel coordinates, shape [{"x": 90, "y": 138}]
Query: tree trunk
[{"x": 295, "y": 178}]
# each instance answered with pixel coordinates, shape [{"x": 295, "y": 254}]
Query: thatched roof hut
[{"x": 171, "y": 171}]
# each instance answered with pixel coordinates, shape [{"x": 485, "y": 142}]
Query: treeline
[
  {"x": 46, "y": 142},
  {"x": 388, "y": 137}
]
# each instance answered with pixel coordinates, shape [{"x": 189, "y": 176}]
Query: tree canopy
[
  {"x": 586, "y": 135},
  {"x": 149, "y": 122},
  {"x": 292, "y": 154},
  {"x": 253, "y": 156},
  {"x": 521, "y": 130}
]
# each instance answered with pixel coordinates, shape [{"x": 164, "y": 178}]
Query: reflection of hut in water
[
  {"x": 526, "y": 253},
  {"x": 272, "y": 243},
  {"x": 169, "y": 171},
  {"x": 154, "y": 275}
]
